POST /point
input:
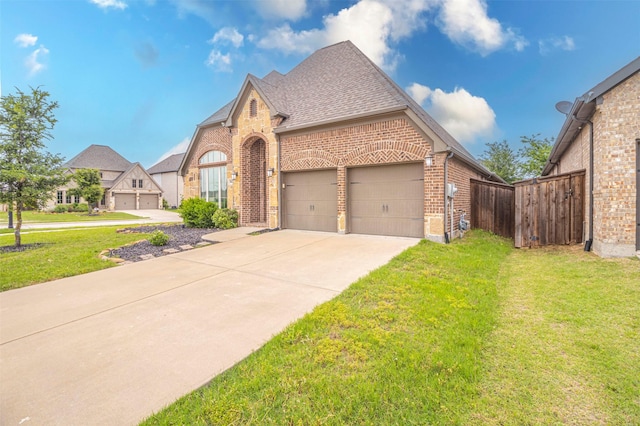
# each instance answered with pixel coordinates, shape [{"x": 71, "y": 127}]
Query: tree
[
  {"x": 29, "y": 174},
  {"x": 501, "y": 160},
  {"x": 534, "y": 154},
  {"x": 89, "y": 188}
]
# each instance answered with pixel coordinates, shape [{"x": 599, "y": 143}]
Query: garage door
[
  {"x": 148, "y": 201},
  {"x": 311, "y": 200},
  {"x": 387, "y": 200},
  {"x": 125, "y": 201}
]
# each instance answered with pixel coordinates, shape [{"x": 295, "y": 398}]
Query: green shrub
[
  {"x": 198, "y": 213},
  {"x": 165, "y": 204},
  {"x": 77, "y": 207},
  {"x": 225, "y": 218},
  {"x": 60, "y": 208},
  {"x": 158, "y": 238}
]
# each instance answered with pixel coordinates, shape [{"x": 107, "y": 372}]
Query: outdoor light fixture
[
  {"x": 234, "y": 175},
  {"x": 428, "y": 160},
  {"x": 270, "y": 172}
]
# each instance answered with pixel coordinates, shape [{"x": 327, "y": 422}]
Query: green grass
[
  {"x": 400, "y": 346},
  {"x": 474, "y": 332},
  {"x": 45, "y": 217},
  {"x": 566, "y": 349},
  {"x": 63, "y": 254}
]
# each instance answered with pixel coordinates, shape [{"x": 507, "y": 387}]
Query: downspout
[
  {"x": 446, "y": 219},
  {"x": 279, "y": 184},
  {"x": 589, "y": 242}
]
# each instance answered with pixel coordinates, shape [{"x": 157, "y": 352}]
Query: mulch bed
[
  {"x": 178, "y": 236},
  {"x": 23, "y": 247}
]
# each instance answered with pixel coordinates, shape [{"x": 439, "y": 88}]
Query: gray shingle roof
[
  {"x": 99, "y": 157},
  {"x": 169, "y": 164},
  {"x": 218, "y": 116},
  {"x": 336, "y": 83}
]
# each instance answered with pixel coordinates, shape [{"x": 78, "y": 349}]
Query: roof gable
[
  {"x": 99, "y": 157},
  {"x": 130, "y": 171}
]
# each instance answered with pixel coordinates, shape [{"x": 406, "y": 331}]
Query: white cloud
[
  {"x": 218, "y": 61},
  {"x": 465, "y": 116},
  {"x": 291, "y": 10},
  {"x": 25, "y": 40},
  {"x": 565, "y": 43},
  {"x": 467, "y": 23},
  {"x": 34, "y": 60},
  {"x": 176, "y": 149},
  {"x": 106, "y": 4},
  {"x": 372, "y": 25},
  {"x": 228, "y": 34}
]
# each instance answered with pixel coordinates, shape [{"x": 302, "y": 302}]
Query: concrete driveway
[{"x": 114, "y": 346}]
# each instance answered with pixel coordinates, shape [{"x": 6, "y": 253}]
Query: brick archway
[{"x": 254, "y": 181}]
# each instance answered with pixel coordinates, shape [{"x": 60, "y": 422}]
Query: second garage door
[
  {"x": 125, "y": 201},
  {"x": 387, "y": 200},
  {"x": 311, "y": 200},
  {"x": 148, "y": 201}
]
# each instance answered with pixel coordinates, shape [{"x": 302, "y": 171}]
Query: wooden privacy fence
[
  {"x": 550, "y": 210},
  {"x": 536, "y": 212},
  {"x": 493, "y": 207}
]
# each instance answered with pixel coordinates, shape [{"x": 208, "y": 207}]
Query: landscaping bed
[{"x": 180, "y": 238}]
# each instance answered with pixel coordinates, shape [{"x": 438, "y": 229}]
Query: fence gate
[
  {"x": 493, "y": 207},
  {"x": 550, "y": 210}
]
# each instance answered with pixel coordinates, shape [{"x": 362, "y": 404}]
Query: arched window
[
  {"x": 213, "y": 177},
  {"x": 253, "y": 108}
]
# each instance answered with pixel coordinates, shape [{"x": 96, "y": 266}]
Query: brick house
[
  {"x": 333, "y": 145},
  {"x": 127, "y": 186},
  {"x": 601, "y": 135}
]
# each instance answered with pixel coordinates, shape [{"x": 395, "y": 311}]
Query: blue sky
[{"x": 139, "y": 75}]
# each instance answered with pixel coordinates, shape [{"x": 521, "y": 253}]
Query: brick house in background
[
  {"x": 333, "y": 145},
  {"x": 165, "y": 173},
  {"x": 127, "y": 186},
  {"x": 602, "y": 136}
]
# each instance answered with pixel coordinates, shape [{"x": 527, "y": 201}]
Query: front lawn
[
  {"x": 46, "y": 217},
  {"x": 474, "y": 332},
  {"x": 62, "y": 254}
]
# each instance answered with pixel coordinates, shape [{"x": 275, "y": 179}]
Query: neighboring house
[
  {"x": 602, "y": 136},
  {"x": 166, "y": 175},
  {"x": 127, "y": 185},
  {"x": 333, "y": 145}
]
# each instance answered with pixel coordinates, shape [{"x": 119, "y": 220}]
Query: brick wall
[
  {"x": 460, "y": 174},
  {"x": 615, "y": 129}
]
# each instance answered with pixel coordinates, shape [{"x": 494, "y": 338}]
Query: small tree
[
  {"x": 89, "y": 186},
  {"x": 534, "y": 154},
  {"x": 501, "y": 160},
  {"x": 29, "y": 175}
]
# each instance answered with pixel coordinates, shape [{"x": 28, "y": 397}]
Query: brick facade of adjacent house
[{"x": 616, "y": 126}]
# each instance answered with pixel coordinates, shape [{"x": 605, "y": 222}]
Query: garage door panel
[
  {"x": 148, "y": 201},
  {"x": 310, "y": 200},
  {"x": 387, "y": 200},
  {"x": 125, "y": 201}
]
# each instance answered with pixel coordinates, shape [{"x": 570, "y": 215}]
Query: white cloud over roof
[
  {"x": 467, "y": 23},
  {"x": 464, "y": 116}
]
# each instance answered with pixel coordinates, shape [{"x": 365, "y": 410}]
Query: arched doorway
[{"x": 254, "y": 182}]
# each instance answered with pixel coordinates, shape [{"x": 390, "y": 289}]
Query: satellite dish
[{"x": 564, "y": 107}]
